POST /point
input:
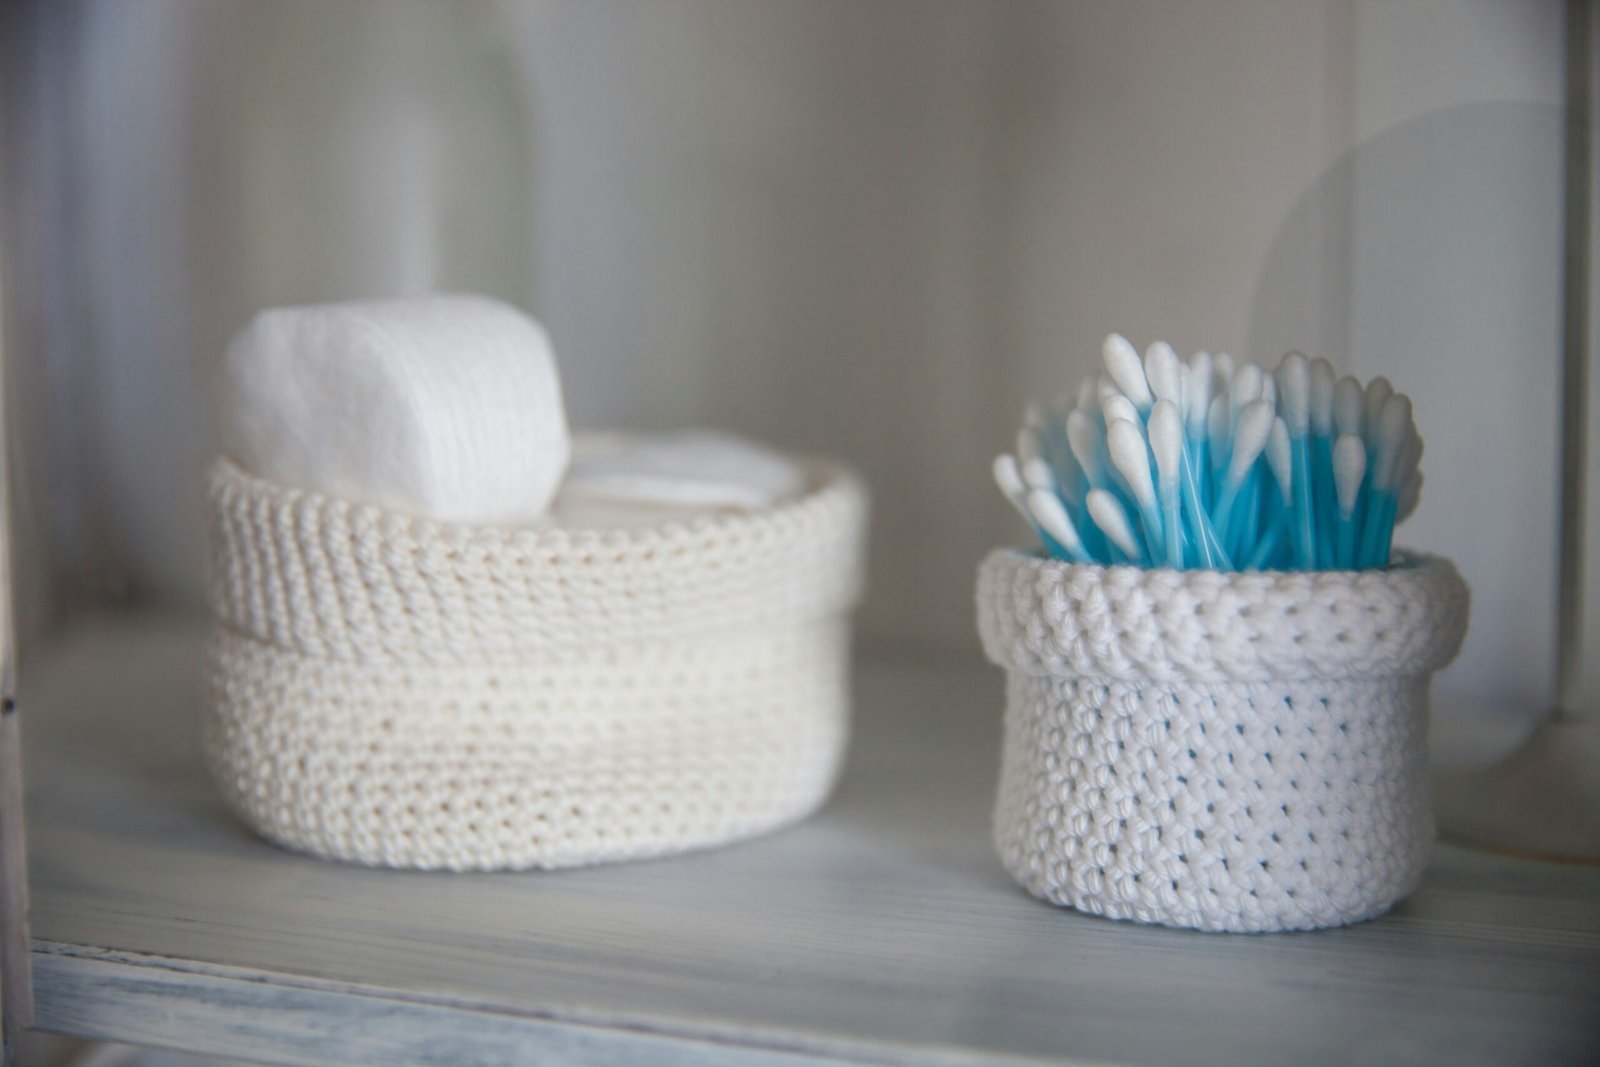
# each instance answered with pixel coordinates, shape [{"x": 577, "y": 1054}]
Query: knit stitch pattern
[
  {"x": 1242, "y": 752},
  {"x": 405, "y": 693}
]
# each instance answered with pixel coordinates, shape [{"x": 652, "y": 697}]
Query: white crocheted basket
[
  {"x": 405, "y": 693},
  {"x": 1239, "y": 752}
]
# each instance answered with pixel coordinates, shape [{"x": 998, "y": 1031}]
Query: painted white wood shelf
[{"x": 881, "y": 931}]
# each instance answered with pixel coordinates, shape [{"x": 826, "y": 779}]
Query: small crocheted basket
[
  {"x": 1221, "y": 751},
  {"x": 405, "y": 693}
]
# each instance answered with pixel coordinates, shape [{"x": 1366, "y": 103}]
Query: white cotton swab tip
[
  {"x": 1009, "y": 478},
  {"x": 1164, "y": 371},
  {"x": 1125, "y": 442},
  {"x": 1166, "y": 443},
  {"x": 1119, "y": 408},
  {"x": 1378, "y": 393},
  {"x": 1406, "y": 460},
  {"x": 1249, "y": 438},
  {"x": 1347, "y": 401},
  {"x": 1294, "y": 393},
  {"x": 1125, "y": 368},
  {"x": 1245, "y": 389},
  {"x": 1108, "y": 515},
  {"x": 1269, "y": 389},
  {"x": 1222, "y": 363},
  {"x": 1036, "y": 474},
  {"x": 1394, "y": 426},
  {"x": 1047, "y": 511},
  {"x": 1217, "y": 426},
  {"x": 1323, "y": 383},
  {"x": 1104, "y": 387},
  {"x": 1280, "y": 459},
  {"x": 1197, "y": 393},
  {"x": 1349, "y": 467},
  {"x": 1083, "y": 438}
]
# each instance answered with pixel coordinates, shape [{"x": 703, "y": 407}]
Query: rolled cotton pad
[
  {"x": 443, "y": 406},
  {"x": 617, "y": 480}
]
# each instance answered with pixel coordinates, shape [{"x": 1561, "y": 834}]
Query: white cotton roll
[{"x": 444, "y": 406}]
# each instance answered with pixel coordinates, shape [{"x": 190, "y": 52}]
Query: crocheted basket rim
[
  {"x": 336, "y": 578},
  {"x": 1050, "y": 617},
  {"x": 823, "y": 479}
]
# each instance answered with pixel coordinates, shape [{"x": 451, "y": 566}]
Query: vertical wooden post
[{"x": 16, "y": 982}]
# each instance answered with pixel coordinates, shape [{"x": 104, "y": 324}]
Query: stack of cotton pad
[{"x": 420, "y": 661}]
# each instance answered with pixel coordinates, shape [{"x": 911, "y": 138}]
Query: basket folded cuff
[
  {"x": 334, "y": 579},
  {"x": 1041, "y": 617}
]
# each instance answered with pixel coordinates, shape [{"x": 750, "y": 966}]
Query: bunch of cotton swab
[{"x": 1163, "y": 463}]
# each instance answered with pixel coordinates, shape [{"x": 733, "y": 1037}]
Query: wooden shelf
[{"x": 882, "y": 930}]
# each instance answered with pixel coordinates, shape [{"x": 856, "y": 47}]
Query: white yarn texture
[
  {"x": 408, "y": 693},
  {"x": 1241, "y": 752}
]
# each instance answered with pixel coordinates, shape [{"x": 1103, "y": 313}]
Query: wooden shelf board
[{"x": 883, "y": 930}]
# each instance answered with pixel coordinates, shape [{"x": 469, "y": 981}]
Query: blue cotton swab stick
[
  {"x": 1294, "y": 380},
  {"x": 1110, "y": 518},
  {"x": 1349, "y": 470},
  {"x": 1166, "y": 444},
  {"x": 1130, "y": 456}
]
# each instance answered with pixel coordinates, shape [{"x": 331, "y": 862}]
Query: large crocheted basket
[
  {"x": 405, "y": 693},
  {"x": 1239, "y": 752}
]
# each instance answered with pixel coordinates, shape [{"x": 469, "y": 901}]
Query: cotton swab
[
  {"x": 1249, "y": 438},
  {"x": 1377, "y": 394},
  {"x": 1323, "y": 384},
  {"x": 1410, "y": 495},
  {"x": 1349, "y": 468},
  {"x": 1393, "y": 426},
  {"x": 1166, "y": 462},
  {"x": 1218, "y": 429},
  {"x": 1347, "y": 403},
  {"x": 1166, "y": 444},
  {"x": 1116, "y": 406},
  {"x": 1280, "y": 461},
  {"x": 1053, "y": 519},
  {"x": 1294, "y": 380},
  {"x": 1012, "y": 487},
  {"x": 1126, "y": 370},
  {"x": 1108, "y": 515},
  {"x": 1130, "y": 456},
  {"x": 1164, "y": 372}
]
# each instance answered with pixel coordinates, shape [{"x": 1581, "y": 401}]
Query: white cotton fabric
[
  {"x": 408, "y": 693},
  {"x": 447, "y": 407},
  {"x": 1242, "y": 752}
]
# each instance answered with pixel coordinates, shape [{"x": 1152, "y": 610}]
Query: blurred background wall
[{"x": 872, "y": 229}]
